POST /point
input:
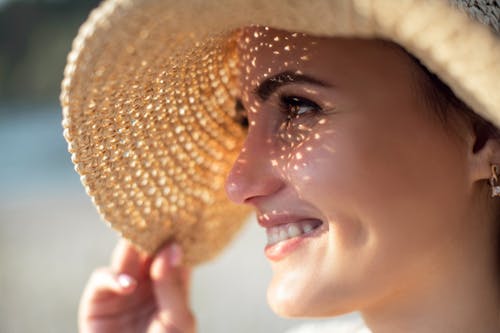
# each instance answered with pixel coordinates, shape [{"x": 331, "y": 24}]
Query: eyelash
[{"x": 291, "y": 105}]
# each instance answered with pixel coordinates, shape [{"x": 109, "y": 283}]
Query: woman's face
[{"x": 340, "y": 147}]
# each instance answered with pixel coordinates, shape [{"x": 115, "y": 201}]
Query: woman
[{"x": 373, "y": 182}]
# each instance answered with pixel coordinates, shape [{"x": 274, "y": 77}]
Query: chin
[
  {"x": 287, "y": 295},
  {"x": 292, "y": 300},
  {"x": 287, "y": 306}
]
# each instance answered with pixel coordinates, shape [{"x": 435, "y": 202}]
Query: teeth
[
  {"x": 293, "y": 230},
  {"x": 282, "y": 235},
  {"x": 272, "y": 236},
  {"x": 285, "y": 231},
  {"x": 307, "y": 228}
]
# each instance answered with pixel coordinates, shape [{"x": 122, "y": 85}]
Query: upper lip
[{"x": 271, "y": 220}]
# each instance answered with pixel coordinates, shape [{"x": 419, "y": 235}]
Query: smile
[
  {"x": 279, "y": 233},
  {"x": 287, "y": 232}
]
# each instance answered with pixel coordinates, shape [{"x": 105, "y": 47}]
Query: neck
[{"x": 460, "y": 295}]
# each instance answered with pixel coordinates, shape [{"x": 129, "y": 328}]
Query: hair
[{"x": 441, "y": 99}]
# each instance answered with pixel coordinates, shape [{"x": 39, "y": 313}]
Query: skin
[
  {"x": 152, "y": 299},
  {"x": 408, "y": 235}
]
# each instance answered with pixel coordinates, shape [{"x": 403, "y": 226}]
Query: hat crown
[{"x": 485, "y": 11}]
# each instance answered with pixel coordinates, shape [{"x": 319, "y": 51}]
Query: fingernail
[
  {"x": 175, "y": 255},
  {"x": 126, "y": 281}
]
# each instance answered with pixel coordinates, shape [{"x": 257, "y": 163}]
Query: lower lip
[{"x": 280, "y": 250}]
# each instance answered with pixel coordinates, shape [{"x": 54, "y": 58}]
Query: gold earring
[{"x": 495, "y": 188}]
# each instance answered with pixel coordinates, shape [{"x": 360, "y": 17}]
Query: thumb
[{"x": 170, "y": 284}]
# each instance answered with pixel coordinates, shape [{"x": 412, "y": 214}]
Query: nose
[{"x": 254, "y": 173}]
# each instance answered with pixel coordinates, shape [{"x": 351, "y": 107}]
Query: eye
[{"x": 295, "y": 106}]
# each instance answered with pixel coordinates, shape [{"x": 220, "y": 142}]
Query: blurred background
[{"x": 51, "y": 237}]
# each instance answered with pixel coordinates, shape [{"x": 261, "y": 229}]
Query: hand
[{"x": 138, "y": 294}]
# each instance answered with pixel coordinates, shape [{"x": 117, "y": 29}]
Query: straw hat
[{"x": 150, "y": 88}]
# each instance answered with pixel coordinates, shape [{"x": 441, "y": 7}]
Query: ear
[{"x": 484, "y": 153}]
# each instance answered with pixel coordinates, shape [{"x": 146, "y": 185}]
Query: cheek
[
  {"x": 394, "y": 196},
  {"x": 322, "y": 169},
  {"x": 390, "y": 206}
]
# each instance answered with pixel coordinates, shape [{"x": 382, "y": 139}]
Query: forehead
[{"x": 266, "y": 51}]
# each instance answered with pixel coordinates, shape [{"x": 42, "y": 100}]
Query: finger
[
  {"x": 186, "y": 281},
  {"x": 104, "y": 283},
  {"x": 129, "y": 260},
  {"x": 170, "y": 286},
  {"x": 104, "y": 288}
]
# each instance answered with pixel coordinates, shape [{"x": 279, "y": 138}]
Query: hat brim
[{"x": 149, "y": 93}]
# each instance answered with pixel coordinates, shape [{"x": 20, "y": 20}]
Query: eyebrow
[{"x": 267, "y": 87}]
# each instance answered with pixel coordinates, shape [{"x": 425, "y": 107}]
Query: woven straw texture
[{"x": 149, "y": 99}]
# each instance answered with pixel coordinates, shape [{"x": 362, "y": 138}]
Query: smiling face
[{"x": 340, "y": 146}]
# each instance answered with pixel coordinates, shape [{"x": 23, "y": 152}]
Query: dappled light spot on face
[{"x": 283, "y": 136}]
